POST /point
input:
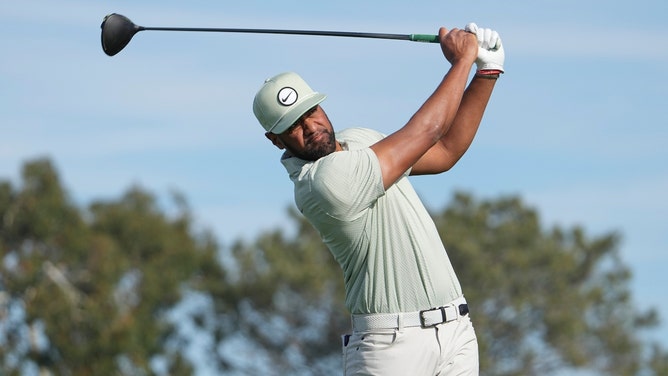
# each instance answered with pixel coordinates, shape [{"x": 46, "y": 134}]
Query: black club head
[{"x": 117, "y": 31}]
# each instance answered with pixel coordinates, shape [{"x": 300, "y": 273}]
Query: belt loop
[{"x": 400, "y": 321}]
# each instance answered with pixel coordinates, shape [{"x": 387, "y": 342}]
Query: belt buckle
[{"x": 422, "y": 319}]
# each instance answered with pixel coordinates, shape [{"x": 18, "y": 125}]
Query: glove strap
[{"x": 488, "y": 73}]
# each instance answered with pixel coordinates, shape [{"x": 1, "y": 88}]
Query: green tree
[
  {"x": 542, "y": 301},
  {"x": 109, "y": 290},
  {"x": 86, "y": 292},
  {"x": 292, "y": 305}
]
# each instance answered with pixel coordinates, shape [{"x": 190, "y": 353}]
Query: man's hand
[
  {"x": 458, "y": 45},
  {"x": 490, "y": 49}
]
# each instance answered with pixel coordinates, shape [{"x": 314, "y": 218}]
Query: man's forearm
[
  {"x": 439, "y": 111},
  {"x": 402, "y": 149},
  {"x": 469, "y": 115}
]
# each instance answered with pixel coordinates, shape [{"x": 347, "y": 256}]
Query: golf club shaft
[{"x": 410, "y": 37}]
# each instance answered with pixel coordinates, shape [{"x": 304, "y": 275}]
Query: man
[{"x": 408, "y": 311}]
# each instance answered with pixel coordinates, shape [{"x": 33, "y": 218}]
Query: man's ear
[{"x": 275, "y": 140}]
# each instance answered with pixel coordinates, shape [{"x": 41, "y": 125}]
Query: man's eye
[
  {"x": 301, "y": 120},
  {"x": 293, "y": 127}
]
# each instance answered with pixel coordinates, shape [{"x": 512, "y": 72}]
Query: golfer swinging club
[{"x": 409, "y": 315}]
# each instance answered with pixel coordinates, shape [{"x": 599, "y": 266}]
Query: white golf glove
[{"x": 490, "y": 49}]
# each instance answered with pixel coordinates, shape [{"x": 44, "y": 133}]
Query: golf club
[{"x": 118, "y": 30}]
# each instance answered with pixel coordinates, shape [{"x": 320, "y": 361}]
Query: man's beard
[{"x": 315, "y": 151}]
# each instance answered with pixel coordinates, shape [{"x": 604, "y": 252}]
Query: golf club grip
[{"x": 427, "y": 38}]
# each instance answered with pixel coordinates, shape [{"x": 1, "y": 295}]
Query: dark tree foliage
[
  {"x": 543, "y": 300},
  {"x": 293, "y": 300},
  {"x": 85, "y": 292},
  {"x": 95, "y": 291}
]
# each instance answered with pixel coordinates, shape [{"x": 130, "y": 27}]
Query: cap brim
[{"x": 296, "y": 112}]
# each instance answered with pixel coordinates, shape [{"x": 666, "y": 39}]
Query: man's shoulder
[
  {"x": 334, "y": 164},
  {"x": 360, "y": 137}
]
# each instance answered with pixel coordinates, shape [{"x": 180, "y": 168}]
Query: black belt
[{"x": 426, "y": 319}]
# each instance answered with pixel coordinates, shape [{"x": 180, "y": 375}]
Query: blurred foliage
[
  {"x": 543, "y": 301},
  {"x": 121, "y": 288},
  {"x": 83, "y": 292}
]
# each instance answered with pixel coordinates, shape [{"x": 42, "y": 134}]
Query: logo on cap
[{"x": 287, "y": 96}]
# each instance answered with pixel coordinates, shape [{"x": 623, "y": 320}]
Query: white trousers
[{"x": 445, "y": 350}]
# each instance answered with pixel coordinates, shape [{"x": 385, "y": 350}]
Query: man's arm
[
  {"x": 401, "y": 150},
  {"x": 452, "y": 146}
]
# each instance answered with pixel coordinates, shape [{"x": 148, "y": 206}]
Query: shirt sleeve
[{"x": 348, "y": 183}]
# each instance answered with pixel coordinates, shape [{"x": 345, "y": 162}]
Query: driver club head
[{"x": 117, "y": 31}]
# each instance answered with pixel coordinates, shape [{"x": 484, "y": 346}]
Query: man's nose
[{"x": 309, "y": 125}]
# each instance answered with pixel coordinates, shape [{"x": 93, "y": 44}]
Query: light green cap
[{"x": 282, "y": 100}]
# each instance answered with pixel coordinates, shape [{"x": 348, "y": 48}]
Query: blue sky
[{"x": 576, "y": 126}]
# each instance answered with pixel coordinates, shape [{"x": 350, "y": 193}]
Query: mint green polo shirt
[{"x": 385, "y": 241}]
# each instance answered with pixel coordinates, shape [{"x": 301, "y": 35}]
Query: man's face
[{"x": 310, "y": 138}]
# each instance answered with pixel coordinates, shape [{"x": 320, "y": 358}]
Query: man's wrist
[{"x": 488, "y": 73}]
